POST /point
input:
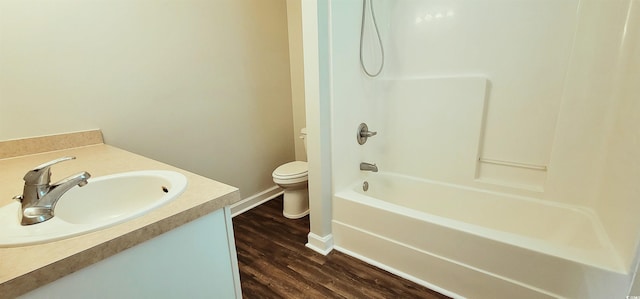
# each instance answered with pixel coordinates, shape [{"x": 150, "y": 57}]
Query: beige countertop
[{"x": 27, "y": 267}]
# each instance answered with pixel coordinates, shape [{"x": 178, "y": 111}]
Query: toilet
[{"x": 293, "y": 177}]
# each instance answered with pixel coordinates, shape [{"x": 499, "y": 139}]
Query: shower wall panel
[{"x": 433, "y": 127}]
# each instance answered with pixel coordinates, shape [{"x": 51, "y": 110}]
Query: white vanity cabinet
[{"x": 195, "y": 260}]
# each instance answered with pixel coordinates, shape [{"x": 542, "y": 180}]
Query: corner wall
[
  {"x": 202, "y": 85},
  {"x": 619, "y": 200},
  {"x": 317, "y": 85}
]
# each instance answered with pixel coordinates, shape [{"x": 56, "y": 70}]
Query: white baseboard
[
  {"x": 322, "y": 245},
  {"x": 255, "y": 200}
]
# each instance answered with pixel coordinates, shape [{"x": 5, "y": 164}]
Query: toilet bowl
[{"x": 292, "y": 177}]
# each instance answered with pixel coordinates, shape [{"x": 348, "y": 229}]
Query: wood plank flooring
[{"x": 274, "y": 263}]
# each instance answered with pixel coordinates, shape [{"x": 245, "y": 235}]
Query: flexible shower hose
[{"x": 375, "y": 25}]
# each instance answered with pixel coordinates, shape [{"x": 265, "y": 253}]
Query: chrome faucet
[
  {"x": 368, "y": 167},
  {"x": 39, "y": 197}
]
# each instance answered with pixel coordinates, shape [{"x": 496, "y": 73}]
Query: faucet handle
[
  {"x": 364, "y": 133},
  {"x": 41, "y": 174}
]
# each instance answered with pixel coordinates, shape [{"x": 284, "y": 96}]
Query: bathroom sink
[{"x": 105, "y": 201}]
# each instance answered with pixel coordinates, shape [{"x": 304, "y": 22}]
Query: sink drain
[{"x": 165, "y": 189}]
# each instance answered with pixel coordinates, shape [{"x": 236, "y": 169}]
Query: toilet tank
[{"x": 303, "y": 135}]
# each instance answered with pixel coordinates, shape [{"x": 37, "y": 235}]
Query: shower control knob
[{"x": 364, "y": 133}]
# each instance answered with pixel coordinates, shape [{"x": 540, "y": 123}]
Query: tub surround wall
[
  {"x": 204, "y": 85},
  {"x": 401, "y": 136},
  {"x": 26, "y": 268},
  {"x": 618, "y": 202},
  {"x": 544, "y": 115},
  {"x": 521, "y": 46},
  {"x": 545, "y": 123},
  {"x": 350, "y": 94},
  {"x": 588, "y": 108}
]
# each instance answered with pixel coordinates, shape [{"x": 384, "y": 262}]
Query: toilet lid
[{"x": 291, "y": 170}]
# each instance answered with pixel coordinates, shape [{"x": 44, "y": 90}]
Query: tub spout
[{"x": 368, "y": 167}]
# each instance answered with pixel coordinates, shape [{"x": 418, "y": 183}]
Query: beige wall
[
  {"x": 203, "y": 85},
  {"x": 294, "y": 14}
]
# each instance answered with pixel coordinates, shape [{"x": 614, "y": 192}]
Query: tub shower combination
[{"x": 466, "y": 186}]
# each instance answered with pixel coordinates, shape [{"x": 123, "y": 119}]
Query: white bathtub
[{"x": 473, "y": 243}]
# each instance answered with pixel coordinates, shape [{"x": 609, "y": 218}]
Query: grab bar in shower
[{"x": 513, "y": 164}]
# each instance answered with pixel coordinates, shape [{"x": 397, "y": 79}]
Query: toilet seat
[{"x": 292, "y": 172}]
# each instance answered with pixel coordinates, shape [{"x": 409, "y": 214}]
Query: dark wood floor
[{"x": 274, "y": 263}]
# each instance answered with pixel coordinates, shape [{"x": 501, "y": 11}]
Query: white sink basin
[{"x": 105, "y": 201}]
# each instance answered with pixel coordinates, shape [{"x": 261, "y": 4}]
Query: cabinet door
[{"x": 195, "y": 260}]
